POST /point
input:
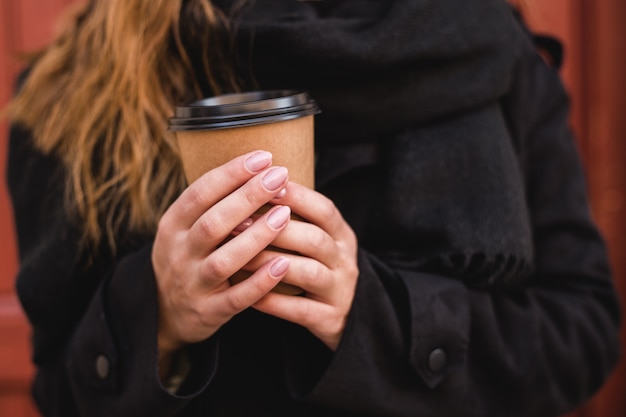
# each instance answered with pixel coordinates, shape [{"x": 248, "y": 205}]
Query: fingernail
[
  {"x": 258, "y": 161},
  {"x": 244, "y": 225},
  {"x": 281, "y": 193},
  {"x": 279, "y": 268},
  {"x": 275, "y": 178},
  {"x": 279, "y": 217}
]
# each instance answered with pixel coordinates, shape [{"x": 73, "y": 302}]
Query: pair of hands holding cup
[{"x": 192, "y": 266}]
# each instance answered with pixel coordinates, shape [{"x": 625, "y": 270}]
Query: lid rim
[
  {"x": 243, "y": 109},
  {"x": 238, "y": 103},
  {"x": 238, "y": 123},
  {"x": 267, "y": 113}
]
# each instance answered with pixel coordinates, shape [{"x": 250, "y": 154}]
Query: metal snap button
[
  {"x": 437, "y": 360},
  {"x": 103, "y": 366}
]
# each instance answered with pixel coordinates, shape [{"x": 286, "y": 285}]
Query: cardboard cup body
[{"x": 291, "y": 143}]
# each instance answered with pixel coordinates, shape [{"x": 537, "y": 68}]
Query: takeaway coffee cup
[{"x": 212, "y": 131}]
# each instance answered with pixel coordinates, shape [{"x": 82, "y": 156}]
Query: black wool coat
[{"x": 484, "y": 286}]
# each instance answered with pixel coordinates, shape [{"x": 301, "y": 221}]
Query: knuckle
[
  {"x": 353, "y": 270},
  {"x": 235, "y": 169},
  {"x": 259, "y": 287},
  {"x": 198, "y": 314},
  {"x": 259, "y": 240},
  {"x": 317, "y": 238},
  {"x": 195, "y": 195},
  {"x": 327, "y": 209},
  {"x": 163, "y": 226},
  {"x": 236, "y": 302},
  {"x": 166, "y": 228},
  {"x": 206, "y": 317},
  {"x": 176, "y": 264},
  {"x": 252, "y": 196},
  {"x": 249, "y": 291},
  {"x": 351, "y": 238},
  {"x": 305, "y": 315},
  {"x": 210, "y": 226},
  {"x": 313, "y": 274},
  {"x": 219, "y": 267}
]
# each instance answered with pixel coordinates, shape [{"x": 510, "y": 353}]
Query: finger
[
  {"x": 310, "y": 275},
  {"x": 300, "y": 310},
  {"x": 238, "y": 251},
  {"x": 317, "y": 209},
  {"x": 243, "y": 226},
  {"x": 216, "y": 184},
  {"x": 311, "y": 241},
  {"x": 246, "y": 293},
  {"x": 213, "y": 226}
]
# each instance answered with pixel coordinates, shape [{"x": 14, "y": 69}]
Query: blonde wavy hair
[{"x": 99, "y": 98}]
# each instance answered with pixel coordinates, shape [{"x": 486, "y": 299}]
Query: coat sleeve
[
  {"x": 93, "y": 317},
  {"x": 442, "y": 347}
]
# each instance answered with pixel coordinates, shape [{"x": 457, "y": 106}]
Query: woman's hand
[
  {"x": 326, "y": 267},
  {"x": 193, "y": 259}
]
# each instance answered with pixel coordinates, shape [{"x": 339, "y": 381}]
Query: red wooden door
[
  {"x": 595, "y": 69},
  {"x": 25, "y": 25}
]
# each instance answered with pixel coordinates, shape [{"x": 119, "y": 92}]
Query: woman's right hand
[{"x": 191, "y": 261}]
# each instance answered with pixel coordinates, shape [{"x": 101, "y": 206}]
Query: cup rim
[{"x": 243, "y": 109}]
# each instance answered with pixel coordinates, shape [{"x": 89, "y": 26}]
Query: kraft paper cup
[{"x": 213, "y": 131}]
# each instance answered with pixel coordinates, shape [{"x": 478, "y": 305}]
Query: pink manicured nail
[
  {"x": 244, "y": 225},
  {"x": 281, "y": 193},
  {"x": 279, "y": 267},
  {"x": 258, "y": 161},
  {"x": 279, "y": 217},
  {"x": 275, "y": 178}
]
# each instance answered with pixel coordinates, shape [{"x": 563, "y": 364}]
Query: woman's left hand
[{"x": 325, "y": 266}]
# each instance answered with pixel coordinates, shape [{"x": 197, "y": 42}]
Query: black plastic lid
[{"x": 243, "y": 109}]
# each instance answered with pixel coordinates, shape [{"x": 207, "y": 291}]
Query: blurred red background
[{"x": 594, "y": 72}]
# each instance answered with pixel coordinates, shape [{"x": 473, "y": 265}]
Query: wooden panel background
[
  {"x": 25, "y": 25},
  {"x": 594, "y": 71}
]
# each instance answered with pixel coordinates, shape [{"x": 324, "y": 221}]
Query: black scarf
[
  {"x": 421, "y": 59},
  {"x": 423, "y": 78}
]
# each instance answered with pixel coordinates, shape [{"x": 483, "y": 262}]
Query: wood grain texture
[
  {"x": 605, "y": 152},
  {"x": 25, "y": 25},
  {"x": 8, "y": 68},
  {"x": 15, "y": 352},
  {"x": 595, "y": 74}
]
